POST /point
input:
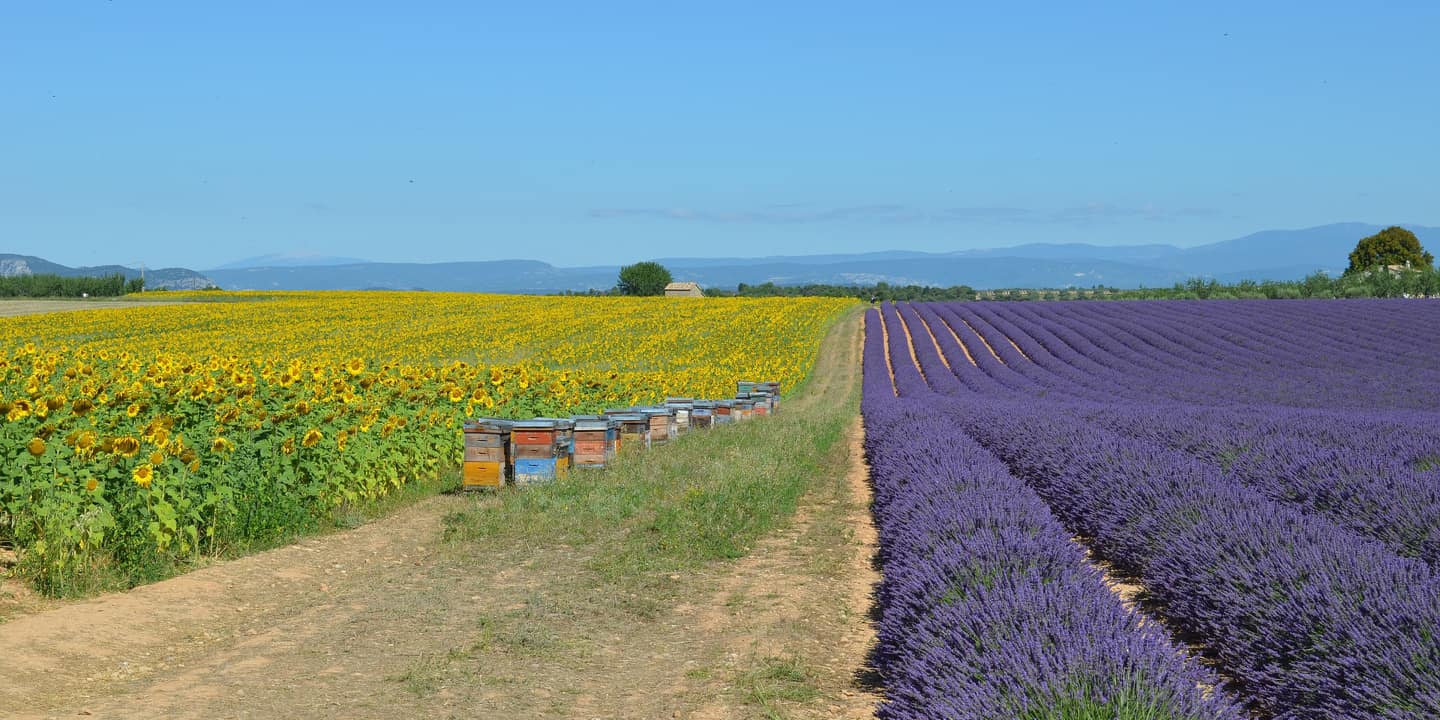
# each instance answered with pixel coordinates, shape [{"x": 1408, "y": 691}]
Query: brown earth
[
  {"x": 15, "y": 307},
  {"x": 388, "y": 620}
]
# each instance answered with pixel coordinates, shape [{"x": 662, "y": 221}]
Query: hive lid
[
  {"x": 487, "y": 425},
  {"x": 561, "y": 423},
  {"x": 534, "y": 424}
]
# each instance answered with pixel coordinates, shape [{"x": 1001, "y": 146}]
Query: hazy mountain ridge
[
  {"x": 1267, "y": 255},
  {"x": 12, "y": 265}
]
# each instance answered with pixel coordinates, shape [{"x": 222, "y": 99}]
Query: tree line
[
  {"x": 46, "y": 285},
  {"x": 1390, "y": 263}
]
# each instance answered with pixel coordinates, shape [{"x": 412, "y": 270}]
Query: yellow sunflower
[
  {"x": 143, "y": 474},
  {"x": 126, "y": 446}
]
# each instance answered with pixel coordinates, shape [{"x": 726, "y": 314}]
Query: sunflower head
[
  {"x": 36, "y": 447},
  {"x": 126, "y": 446},
  {"x": 143, "y": 475},
  {"x": 312, "y": 437}
]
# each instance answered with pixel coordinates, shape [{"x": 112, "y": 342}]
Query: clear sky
[{"x": 187, "y": 133}]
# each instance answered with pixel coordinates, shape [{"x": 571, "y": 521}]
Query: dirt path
[
  {"x": 388, "y": 621},
  {"x": 16, "y": 307}
]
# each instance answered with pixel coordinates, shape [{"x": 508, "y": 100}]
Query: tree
[
  {"x": 644, "y": 278},
  {"x": 1392, "y": 246}
]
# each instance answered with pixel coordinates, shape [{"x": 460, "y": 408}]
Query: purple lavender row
[
  {"x": 1314, "y": 622},
  {"x": 1407, "y": 437},
  {"x": 1396, "y": 505},
  {"x": 1265, "y": 343},
  {"x": 989, "y": 611},
  {"x": 1352, "y": 329},
  {"x": 1128, "y": 336},
  {"x": 1366, "y": 477},
  {"x": 1377, "y": 494}
]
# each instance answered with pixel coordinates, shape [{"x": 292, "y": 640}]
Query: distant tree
[
  {"x": 644, "y": 278},
  {"x": 1392, "y": 246}
]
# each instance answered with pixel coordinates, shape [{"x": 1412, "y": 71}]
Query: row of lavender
[
  {"x": 1283, "y": 580},
  {"x": 990, "y": 610},
  {"x": 1377, "y": 472}
]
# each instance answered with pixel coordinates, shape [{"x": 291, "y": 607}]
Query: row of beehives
[{"x": 526, "y": 452}]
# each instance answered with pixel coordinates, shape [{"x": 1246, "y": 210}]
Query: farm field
[
  {"x": 139, "y": 441},
  {"x": 725, "y": 576},
  {"x": 1157, "y": 510},
  {"x": 12, "y": 307}
]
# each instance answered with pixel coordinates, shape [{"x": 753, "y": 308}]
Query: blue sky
[{"x": 183, "y": 133}]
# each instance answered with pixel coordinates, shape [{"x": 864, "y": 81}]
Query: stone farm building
[{"x": 683, "y": 289}]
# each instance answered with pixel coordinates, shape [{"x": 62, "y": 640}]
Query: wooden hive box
[{"x": 486, "y": 454}]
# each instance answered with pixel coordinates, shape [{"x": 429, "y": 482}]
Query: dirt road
[{"x": 25, "y": 306}]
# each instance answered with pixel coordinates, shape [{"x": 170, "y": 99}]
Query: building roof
[{"x": 682, "y": 286}]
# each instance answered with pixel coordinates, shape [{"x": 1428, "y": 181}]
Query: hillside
[
  {"x": 12, "y": 265},
  {"x": 1268, "y": 255}
]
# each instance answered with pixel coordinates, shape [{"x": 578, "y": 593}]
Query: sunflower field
[{"x": 137, "y": 440}]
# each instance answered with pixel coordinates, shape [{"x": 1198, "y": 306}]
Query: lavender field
[{"x": 1267, "y": 472}]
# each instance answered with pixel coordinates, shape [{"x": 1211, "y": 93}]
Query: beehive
[
  {"x": 662, "y": 424},
  {"x": 534, "y": 449},
  {"x": 762, "y": 402},
  {"x": 594, "y": 443},
  {"x": 487, "y": 454},
  {"x": 634, "y": 429},
  {"x": 683, "y": 408},
  {"x": 702, "y": 415},
  {"x": 564, "y": 444},
  {"x": 724, "y": 412},
  {"x": 774, "y": 389}
]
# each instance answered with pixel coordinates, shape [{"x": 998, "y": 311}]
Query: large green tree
[
  {"x": 1392, "y": 246},
  {"x": 644, "y": 278}
]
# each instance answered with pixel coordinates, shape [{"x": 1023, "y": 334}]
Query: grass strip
[{"x": 709, "y": 495}]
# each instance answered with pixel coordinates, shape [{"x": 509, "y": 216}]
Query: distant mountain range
[
  {"x": 1269, "y": 255},
  {"x": 162, "y": 278}
]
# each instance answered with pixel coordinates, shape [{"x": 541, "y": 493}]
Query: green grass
[
  {"x": 607, "y": 549},
  {"x": 777, "y": 680},
  {"x": 706, "y": 496}
]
